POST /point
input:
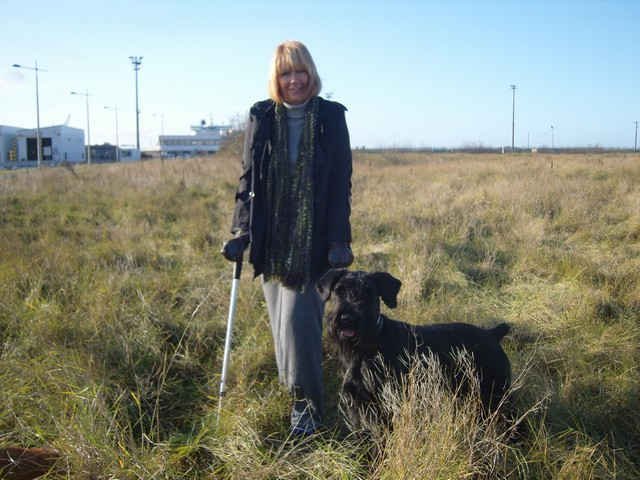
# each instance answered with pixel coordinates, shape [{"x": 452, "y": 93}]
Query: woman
[{"x": 292, "y": 208}]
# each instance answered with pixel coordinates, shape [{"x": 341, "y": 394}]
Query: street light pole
[
  {"x": 115, "y": 108},
  {"x": 38, "y": 138},
  {"x": 513, "y": 119},
  {"x": 136, "y": 62},
  {"x": 86, "y": 95}
]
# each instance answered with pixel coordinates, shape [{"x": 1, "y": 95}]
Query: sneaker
[{"x": 303, "y": 422}]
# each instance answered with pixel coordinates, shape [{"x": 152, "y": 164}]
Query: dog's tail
[{"x": 500, "y": 331}]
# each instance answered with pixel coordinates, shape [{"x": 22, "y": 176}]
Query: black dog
[{"x": 362, "y": 334}]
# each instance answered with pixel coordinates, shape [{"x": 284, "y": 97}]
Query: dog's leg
[{"x": 356, "y": 397}]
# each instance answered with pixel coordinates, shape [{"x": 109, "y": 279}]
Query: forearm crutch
[{"x": 237, "y": 270}]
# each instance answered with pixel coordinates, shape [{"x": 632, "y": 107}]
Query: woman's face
[{"x": 294, "y": 86}]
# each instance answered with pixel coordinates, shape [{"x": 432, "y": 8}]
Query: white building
[
  {"x": 206, "y": 140},
  {"x": 59, "y": 143},
  {"x": 8, "y": 144}
]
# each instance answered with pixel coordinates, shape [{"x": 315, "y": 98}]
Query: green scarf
[{"x": 290, "y": 202}]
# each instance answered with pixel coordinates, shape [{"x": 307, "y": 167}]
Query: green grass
[{"x": 113, "y": 304}]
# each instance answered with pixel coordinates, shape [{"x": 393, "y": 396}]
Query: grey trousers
[{"x": 296, "y": 325}]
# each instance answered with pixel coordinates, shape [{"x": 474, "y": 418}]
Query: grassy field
[{"x": 113, "y": 303}]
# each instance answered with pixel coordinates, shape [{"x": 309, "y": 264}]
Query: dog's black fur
[{"x": 363, "y": 336}]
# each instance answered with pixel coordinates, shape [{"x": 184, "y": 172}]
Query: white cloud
[{"x": 11, "y": 78}]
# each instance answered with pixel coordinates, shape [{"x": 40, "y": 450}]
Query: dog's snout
[{"x": 346, "y": 318}]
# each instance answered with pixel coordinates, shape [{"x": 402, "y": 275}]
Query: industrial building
[
  {"x": 7, "y": 144},
  {"x": 206, "y": 140},
  {"x": 107, "y": 153},
  {"x": 59, "y": 143},
  {"x": 129, "y": 154}
]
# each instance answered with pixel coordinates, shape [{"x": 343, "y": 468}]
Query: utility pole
[
  {"x": 86, "y": 96},
  {"x": 38, "y": 136},
  {"x": 136, "y": 62},
  {"x": 513, "y": 119},
  {"x": 552, "y": 137},
  {"x": 635, "y": 143}
]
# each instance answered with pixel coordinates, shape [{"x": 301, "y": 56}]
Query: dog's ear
[
  {"x": 327, "y": 281},
  {"x": 388, "y": 287}
]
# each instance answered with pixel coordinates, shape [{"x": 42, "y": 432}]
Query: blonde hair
[{"x": 292, "y": 55}]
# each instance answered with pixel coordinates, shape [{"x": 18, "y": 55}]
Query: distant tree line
[
  {"x": 487, "y": 149},
  {"x": 233, "y": 145}
]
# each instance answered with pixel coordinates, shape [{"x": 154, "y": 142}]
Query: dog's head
[{"x": 353, "y": 304}]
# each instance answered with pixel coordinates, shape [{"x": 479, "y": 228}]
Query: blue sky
[{"x": 412, "y": 74}]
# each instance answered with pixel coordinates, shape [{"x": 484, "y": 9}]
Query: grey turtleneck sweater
[{"x": 295, "y": 125}]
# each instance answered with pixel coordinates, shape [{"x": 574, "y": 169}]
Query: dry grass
[
  {"x": 113, "y": 302},
  {"x": 437, "y": 433}
]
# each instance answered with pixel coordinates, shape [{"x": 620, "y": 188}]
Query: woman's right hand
[
  {"x": 340, "y": 255},
  {"x": 234, "y": 248}
]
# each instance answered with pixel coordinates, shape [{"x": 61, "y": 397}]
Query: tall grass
[
  {"x": 437, "y": 432},
  {"x": 113, "y": 301}
]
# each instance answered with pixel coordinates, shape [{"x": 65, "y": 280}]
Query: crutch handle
[{"x": 237, "y": 268}]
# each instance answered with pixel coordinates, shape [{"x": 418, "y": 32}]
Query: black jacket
[{"x": 331, "y": 180}]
